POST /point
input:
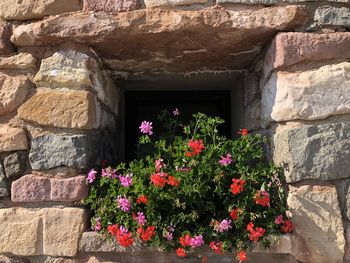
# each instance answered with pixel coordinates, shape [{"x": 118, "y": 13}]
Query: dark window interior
[{"x": 146, "y": 105}]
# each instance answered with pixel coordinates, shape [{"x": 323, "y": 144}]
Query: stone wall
[{"x": 60, "y": 63}]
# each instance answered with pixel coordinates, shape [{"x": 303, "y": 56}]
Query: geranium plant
[{"x": 193, "y": 189}]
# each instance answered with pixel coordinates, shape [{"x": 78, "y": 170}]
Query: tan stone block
[
  {"x": 318, "y": 224},
  {"x": 12, "y": 139},
  {"x": 20, "y": 61},
  {"x": 13, "y": 92},
  {"x": 78, "y": 109}
]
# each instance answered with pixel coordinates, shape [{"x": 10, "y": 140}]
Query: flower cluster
[{"x": 195, "y": 188}]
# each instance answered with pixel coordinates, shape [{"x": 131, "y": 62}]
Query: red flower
[
  {"x": 185, "y": 240},
  {"x": 255, "y": 234},
  {"x": 142, "y": 199},
  {"x": 234, "y": 214},
  {"x": 287, "y": 226},
  {"x": 125, "y": 239},
  {"x": 217, "y": 247},
  {"x": 159, "y": 179},
  {"x": 113, "y": 229},
  {"x": 262, "y": 198},
  {"x": 181, "y": 252},
  {"x": 146, "y": 234},
  {"x": 172, "y": 181},
  {"x": 243, "y": 132},
  {"x": 196, "y": 147},
  {"x": 237, "y": 186},
  {"x": 241, "y": 256}
]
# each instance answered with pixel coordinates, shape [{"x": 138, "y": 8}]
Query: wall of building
[{"x": 60, "y": 63}]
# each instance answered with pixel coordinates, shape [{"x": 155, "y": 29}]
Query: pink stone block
[
  {"x": 6, "y": 47},
  {"x": 110, "y": 5},
  {"x": 34, "y": 188}
]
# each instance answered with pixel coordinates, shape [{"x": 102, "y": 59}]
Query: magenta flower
[
  {"x": 279, "y": 220},
  {"x": 126, "y": 180},
  {"x": 91, "y": 176},
  {"x": 197, "y": 241},
  {"x": 146, "y": 127},
  {"x": 109, "y": 173},
  {"x": 140, "y": 218},
  {"x": 97, "y": 226},
  {"x": 223, "y": 226},
  {"x": 168, "y": 236},
  {"x": 159, "y": 165},
  {"x": 176, "y": 112},
  {"x": 225, "y": 160},
  {"x": 123, "y": 230},
  {"x": 123, "y": 204}
]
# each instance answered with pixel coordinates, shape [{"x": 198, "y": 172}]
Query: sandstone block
[
  {"x": 50, "y": 151},
  {"x": 78, "y": 109},
  {"x": 110, "y": 5},
  {"x": 4, "y": 191},
  {"x": 318, "y": 224},
  {"x": 20, "y": 61},
  {"x": 43, "y": 231},
  {"x": 27, "y": 9},
  {"x": 33, "y": 188},
  {"x": 93, "y": 242},
  {"x": 272, "y": 2},
  {"x": 332, "y": 16},
  {"x": 12, "y": 139},
  {"x": 159, "y": 3},
  {"x": 15, "y": 164},
  {"x": 291, "y": 48},
  {"x": 6, "y": 47},
  {"x": 308, "y": 95},
  {"x": 320, "y": 152},
  {"x": 76, "y": 71},
  {"x": 13, "y": 92}
]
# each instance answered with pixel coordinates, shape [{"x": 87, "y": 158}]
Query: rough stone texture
[
  {"x": 19, "y": 61},
  {"x": 174, "y": 40},
  {"x": 78, "y": 109},
  {"x": 33, "y": 188},
  {"x": 159, "y": 3},
  {"x": 49, "y": 231},
  {"x": 29, "y": 9},
  {"x": 76, "y": 70},
  {"x": 279, "y": 245},
  {"x": 306, "y": 95},
  {"x": 272, "y": 2},
  {"x": 15, "y": 164},
  {"x": 320, "y": 152},
  {"x": 13, "y": 259},
  {"x": 78, "y": 151},
  {"x": 318, "y": 224},
  {"x": 4, "y": 191},
  {"x": 12, "y": 139},
  {"x": 332, "y": 16},
  {"x": 110, "y": 5},
  {"x": 291, "y": 48},
  {"x": 13, "y": 92},
  {"x": 93, "y": 242},
  {"x": 6, "y": 47}
]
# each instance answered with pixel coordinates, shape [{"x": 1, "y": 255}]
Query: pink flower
[
  {"x": 109, "y": 173},
  {"x": 97, "y": 226},
  {"x": 146, "y": 127},
  {"x": 176, "y": 112},
  {"x": 279, "y": 220},
  {"x": 225, "y": 160},
  {"x": 126, "y": 180},
  {"x": 91, "y": 176},
  {"x": 168, "y": 236},
  {"x": 159, "y": 165},
  {"x": 222, "y": 226},
  {"x": 123, "y": 204},
  {"x": 140, "y": 218},
  {"x": 197, "y": 241}
]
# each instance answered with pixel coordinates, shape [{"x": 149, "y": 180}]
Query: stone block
[
  {"x": 318, "y": 152},
  {"x": 30, "y": 188},
  {"x": 28, "y": 9},
  {"x": 13, "y": 92},
  {"x": 19, "y": 61},
  {"x": 51, "y": 150},
  {"x": 319, "y": 231},
  {"x": 291, "y": 48},
  {"x": 70, "y": 69},
  {"x": 12, "y": 139},
  {"x": 332, "y": 16},
  {"x": 76, "y": 109},
  {"x": 110, "y": 5},
  {"x": 41, "y": 231},
  {"x": 15, "y": 164},
  {"x": 159, "y": 3},
  {"x": 92, "y": 242},
  {"x": 4, "y": 191},
  {"x": 306, "y": 95},
  {"x": 6, "y": 47}
]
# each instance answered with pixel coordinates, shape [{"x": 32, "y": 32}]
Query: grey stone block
[
  {"x": 4, "y": 191},
  {"x": 332, "y": 16},
  {"x": 15, "y": 164}
]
